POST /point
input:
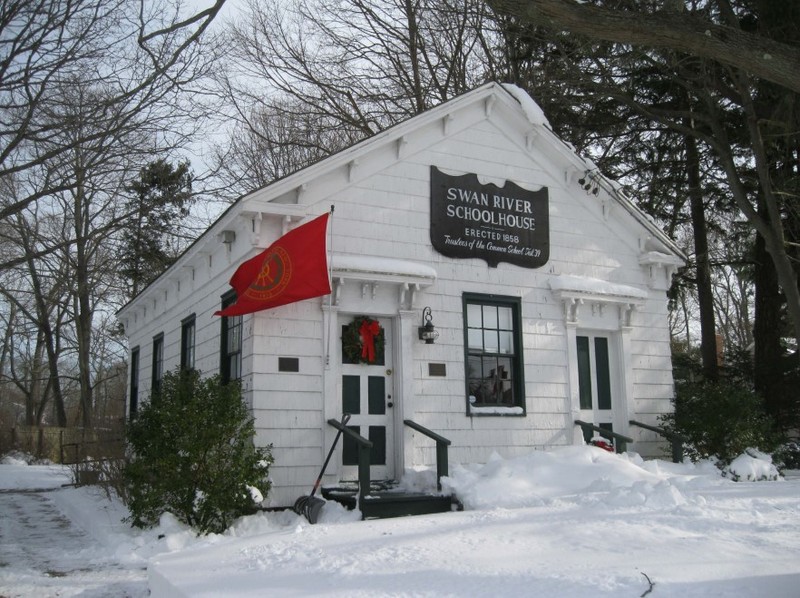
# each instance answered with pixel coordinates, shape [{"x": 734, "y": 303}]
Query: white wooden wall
[{"x": 382, "y": 209}]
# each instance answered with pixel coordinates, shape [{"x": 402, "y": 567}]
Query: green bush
[
  {"x": 192, "y": 454},
  {"x": 787, "y": 456},
  {"x": 721, "y": 419}
]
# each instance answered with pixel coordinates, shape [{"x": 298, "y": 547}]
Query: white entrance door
[
  {"x": 366, "y": 392},
  {"x": 595, "y": 381}
]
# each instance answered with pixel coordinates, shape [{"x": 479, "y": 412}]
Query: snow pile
[
  {"x": 578, "y": 521},
  {"x": 752, "y": 466},
  {"x": 543, "y": 476}
]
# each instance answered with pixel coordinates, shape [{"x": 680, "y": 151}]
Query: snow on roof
[
  {"x": 531, "y": 109},
  {"x": 362, "y": 264},
  {"x": 595, "y": 286}
]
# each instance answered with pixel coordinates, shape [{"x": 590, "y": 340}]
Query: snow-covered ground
[{"x": 573, "y": 522}]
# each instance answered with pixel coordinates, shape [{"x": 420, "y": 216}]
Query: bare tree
[
  {"x": 35, "y": 293},
  {"x": 104, "y": 93},
  {"x": 310, "y": 77},
  {"x": 143, "y": 53}
]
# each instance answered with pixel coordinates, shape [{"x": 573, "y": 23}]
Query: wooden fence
[{"x": 66, "y": 445}]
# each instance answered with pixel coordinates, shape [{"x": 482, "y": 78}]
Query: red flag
[{"x": 293, "y": 268}]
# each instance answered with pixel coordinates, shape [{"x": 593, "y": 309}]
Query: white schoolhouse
[{"x": 488, "y": 284}]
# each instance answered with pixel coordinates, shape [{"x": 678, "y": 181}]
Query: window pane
[
  {"x": 377, "y": 454},
  {"x": 504, "y": 318},
  {"x": 187, "y": 346},
  {"x": 474, "y": 367},
  {"x": 489, "y": 316},
  {"x": 490, "y": 341},
  {"x": 506, "y": 341},
  {"x": 350, "y": 448},
  {"x": 474, "y": 316},
  {"x": 504, "y": 382},
  {"x": 475, "y": 338},
  {"x": 376, "y": 395},
  {"x": 489, "y": 366},
  {"x": 234, "y": 338},
  {"x": 345, "y": 356},
  {"x": 351, "y": 394},
  {"x": 236, "y": 366},
  {"x": 478, "y": 385}
]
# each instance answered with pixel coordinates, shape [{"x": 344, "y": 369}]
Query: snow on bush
[{"x": 752, "y": 466}]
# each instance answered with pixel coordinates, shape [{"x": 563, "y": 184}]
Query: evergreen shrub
[
  {"x": 787, "y": 456},
  {"x": 721, "y": 419},
  {"x": 191, "y": 453}
]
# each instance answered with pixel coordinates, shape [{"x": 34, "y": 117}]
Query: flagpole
[{"x": 330, "y": 295}]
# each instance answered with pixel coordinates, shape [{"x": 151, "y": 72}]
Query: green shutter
[
  {"x": 603, "y": 373},
  {"x": 584, "y": 373}
]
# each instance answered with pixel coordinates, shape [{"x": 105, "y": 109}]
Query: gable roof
[{"x": 282, "y": 197}]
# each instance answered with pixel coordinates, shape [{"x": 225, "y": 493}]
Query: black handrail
[
  {"x": 619, "y": 446},
  {"x": 676, "y": 440},
  {"x": 364, "y": 447},
  {"x": 442, "y": 467}
]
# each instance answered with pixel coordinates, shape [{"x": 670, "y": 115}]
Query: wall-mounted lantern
[{"x": 427, "y": 332}]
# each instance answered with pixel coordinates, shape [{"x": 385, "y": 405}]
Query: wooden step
[{"x": 383, "y": 503}]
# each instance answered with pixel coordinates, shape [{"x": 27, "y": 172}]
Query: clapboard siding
[{"x": 381, "y": 193}]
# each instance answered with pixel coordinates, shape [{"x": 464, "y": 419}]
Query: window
[
  {"x": 493, "y": 354},
  {"x": 187, "y": 343},
  {"x": 230, "y": 343},
  {"x": 158, "y": 363},
  {"x": 133, "y": 402}
]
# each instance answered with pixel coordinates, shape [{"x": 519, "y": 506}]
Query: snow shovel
[{"x": 310, "y": 505}]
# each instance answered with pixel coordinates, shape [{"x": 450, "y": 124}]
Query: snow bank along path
[
  {"x": 576, "y": 522},
  {"x": 57, "y": 541}
]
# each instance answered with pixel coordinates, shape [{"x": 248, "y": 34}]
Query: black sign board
[{"x": 495, "y": 224}]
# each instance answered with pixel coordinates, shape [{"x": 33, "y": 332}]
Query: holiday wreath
[{"x": 363, "y": 341}]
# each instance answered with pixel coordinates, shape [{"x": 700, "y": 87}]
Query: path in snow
[{"x": 42, "y": 553}]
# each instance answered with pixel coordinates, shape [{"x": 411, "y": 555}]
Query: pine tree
[{"x": 161, "y": 197}]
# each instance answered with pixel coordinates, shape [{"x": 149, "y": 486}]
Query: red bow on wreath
[{"x": 368, "y": 331}]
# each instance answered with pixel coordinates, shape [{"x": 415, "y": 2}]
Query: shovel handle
[{"x": 345, "y": 419}]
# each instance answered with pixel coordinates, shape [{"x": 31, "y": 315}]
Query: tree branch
[{"x": 673, "y": 30}]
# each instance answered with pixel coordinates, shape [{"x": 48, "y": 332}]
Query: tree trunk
[
  {"x": 767, "y": 353},
  {"x": 413, "y": 50},
  {"x": 82, "y": 300},
  {"x": 705, "y": 296},
  {"x": 45, "y": 329}
]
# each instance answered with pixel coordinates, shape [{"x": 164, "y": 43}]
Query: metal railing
[
  {"x": 676, "y": 440},
  {"x": 364, "y": 447},
  {"x": 619, "y": 440},
  {"x": 442, "y": 467}
]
